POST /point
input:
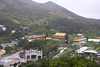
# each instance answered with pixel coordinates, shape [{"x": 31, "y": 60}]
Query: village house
[{"x": 2, "y": 26}]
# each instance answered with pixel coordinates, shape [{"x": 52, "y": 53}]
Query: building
[
  {"x": 94, "y": 40},
  {"x": 13, "y": 31},
  {"x": 48, "y": 38},
  {"x": 25, "y": 27},
  {"x": 59, "y": 36},
  {"x": 37, "y": 36},
  {"x": 79, "y": 34},
  {"x": 86, "y": 50},
  {"x": 2, "y": 52},
  {"x": 33, "y": 55},
  {"x": 4, "y": 28},
  {"x": 79, "y": 40},
  {"x": 9, "y": 62}
]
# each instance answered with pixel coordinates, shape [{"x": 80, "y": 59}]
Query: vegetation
[
  {"x": 15, "y": 15},
  {"x": 63, "y": 61},
  {"x": 94, "y": 45},
  {"x": 49, "y": 47},
  {"x": 1, "y": 47}
]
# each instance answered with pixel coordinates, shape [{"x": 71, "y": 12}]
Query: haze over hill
[{"x": 35, "y": 15}]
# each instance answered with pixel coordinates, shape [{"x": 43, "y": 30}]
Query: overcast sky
[{"x": 86, "y": 8}]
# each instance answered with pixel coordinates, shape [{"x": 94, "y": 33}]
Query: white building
[
  {"x": 83, "y": 50},
  {"x": 13, "y": 31},
  {"x": 33, "y": 55},
  {"x": 94, "y": 40},
  {"x": 4, "y": 28},
  {"x": 1, "y": 26}
]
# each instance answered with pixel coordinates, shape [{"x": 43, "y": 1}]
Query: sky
[{"x": 85, "y": 8}]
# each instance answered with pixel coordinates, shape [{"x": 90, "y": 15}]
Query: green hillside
[{"x": 15, "y": 14}]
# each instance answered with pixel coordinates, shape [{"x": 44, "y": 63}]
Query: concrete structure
[
  {"x": 33, "y": 55},
  {"x": 94, "y": 40},
  {"x": 9, "y": 62},
  {"x": 2, "y": 51}
]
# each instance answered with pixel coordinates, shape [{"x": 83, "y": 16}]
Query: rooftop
[
  {"x": 79, "y": 39},
  {"x": 60, "y": 34}
]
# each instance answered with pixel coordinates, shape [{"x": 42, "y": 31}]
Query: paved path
[
  {"x": 16, "y": 55},
  {"x": 56, "y": 56}
]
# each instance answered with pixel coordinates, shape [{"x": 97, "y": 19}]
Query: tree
[{"x": 1, "y": 47}]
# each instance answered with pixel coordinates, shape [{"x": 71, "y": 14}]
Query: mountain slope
[{"x": 35, "y": 15}]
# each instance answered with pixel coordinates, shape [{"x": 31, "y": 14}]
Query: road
[
  {"x": 56, "y": 56},
  {"x": 16, "y": 55}
]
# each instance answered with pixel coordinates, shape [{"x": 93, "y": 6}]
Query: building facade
[{"x": 33, "y": 55}]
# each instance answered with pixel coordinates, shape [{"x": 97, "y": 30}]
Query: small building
[
  {"x": 94, "y": 40},
  {"x": 33, "y": 55},
  {"x": 48, "y": 38},
  {"x": 59, "y": 36},
  {"x": 2, "y": 52},
  {"x": 13, "y": 31},
  {"x": 86, "y": 50},
  {"x": 4, "y": 28},
  {"x": 25, "y": 27}
]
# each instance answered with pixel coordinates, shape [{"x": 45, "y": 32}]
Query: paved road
[
  {"x": 56, "y": 56},
  {"x": 16, "y": 55}
]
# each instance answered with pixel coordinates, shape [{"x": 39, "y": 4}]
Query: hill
[{"x": 36, "y": 15}]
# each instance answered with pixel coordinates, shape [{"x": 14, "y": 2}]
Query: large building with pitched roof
[{"x": 59, "y": 36}]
